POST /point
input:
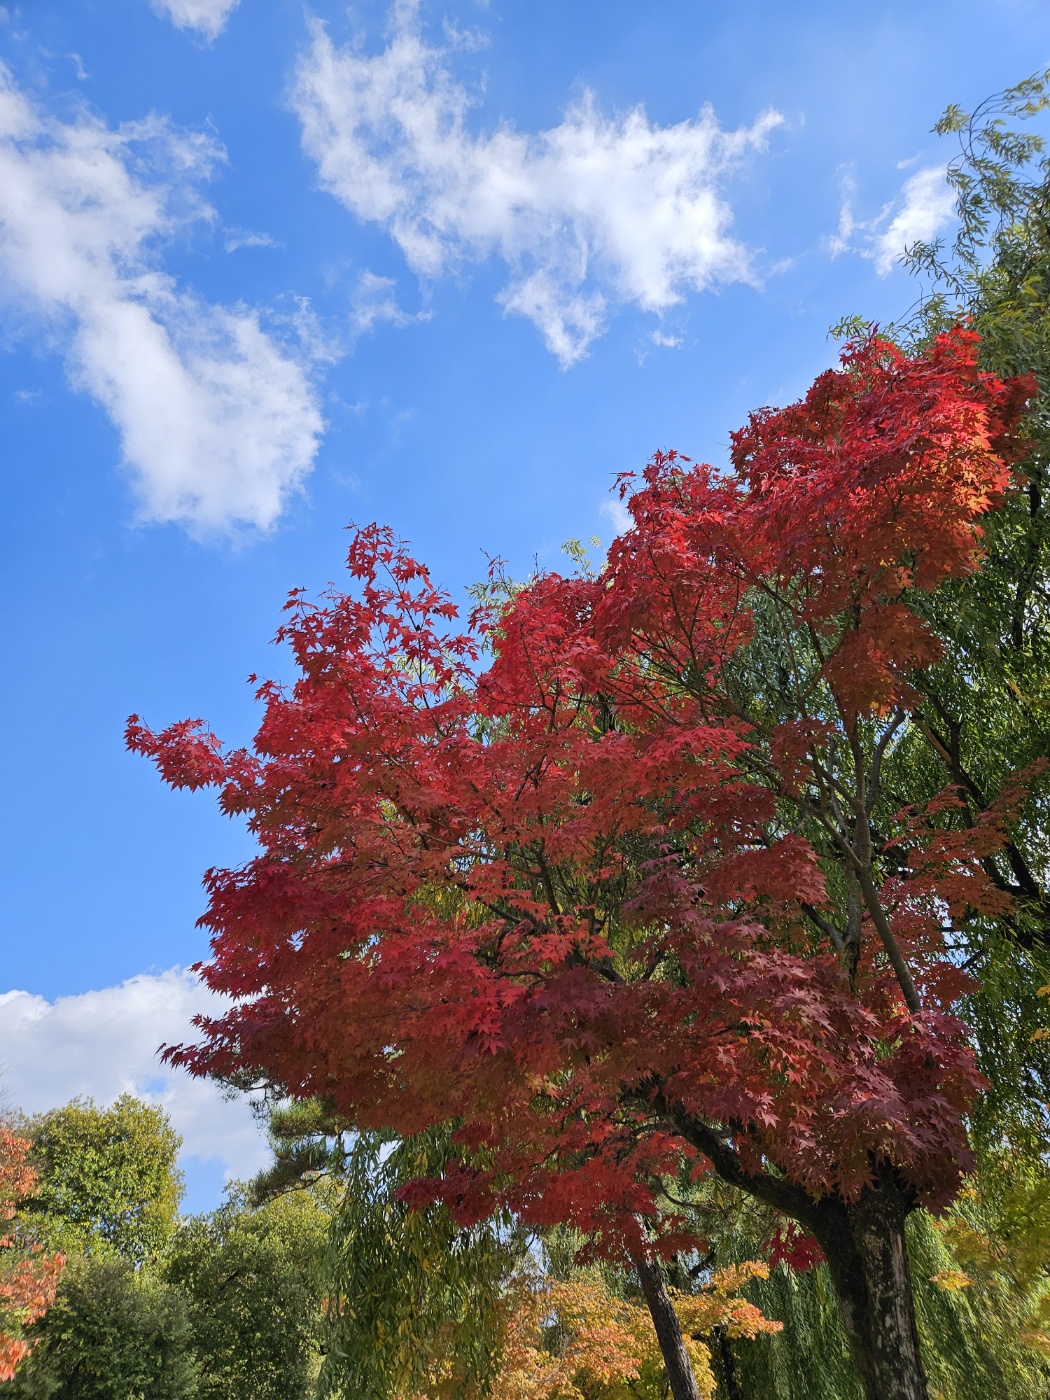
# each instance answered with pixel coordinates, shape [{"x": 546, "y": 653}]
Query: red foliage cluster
[
  {"x": 559, "y": 897},
  {"x": 28, "y": 1279},
  {"x": 794, "y": 1247}
]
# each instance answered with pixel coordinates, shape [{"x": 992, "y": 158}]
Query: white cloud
[
  {"x": 218, "y": 423},
  {"x": 617, "y": 514},
  {"x": 595, "y": 212},
  {"x": 207, "y": 17},
  {"x": 104, "y": 1043},
  {"x": 927, "y": 205},
  {"x": 924, "y": 207}
]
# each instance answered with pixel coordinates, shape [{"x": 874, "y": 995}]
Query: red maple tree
[
  {"x": 625, "y": 899},
  {"x": 28, "y": 1278}
]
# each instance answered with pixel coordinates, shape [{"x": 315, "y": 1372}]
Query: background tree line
[
  {"x": 152, "y": 1303},
  {"x": 315, "y": 1280}
]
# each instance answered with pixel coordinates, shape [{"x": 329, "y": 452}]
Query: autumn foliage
[
  {"x": 28, "y": 1278},
  {"x": 610, "y": 878},
  {"x": 576, "y": 1340}
]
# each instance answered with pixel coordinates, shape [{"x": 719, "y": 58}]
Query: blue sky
[{"x": 267, "y": 269}]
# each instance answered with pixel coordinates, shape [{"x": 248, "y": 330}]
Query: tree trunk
[
  {"x": 725, "y": 1362},
  {"x": 668, "y": 1330},
  {"x": 868, "y": 1263},
  {"x": 864, "y": 1245}
]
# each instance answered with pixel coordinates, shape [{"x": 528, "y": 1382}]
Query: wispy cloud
[
  {"x": 596, "y": 212},
  {"x": 237, "y": 238},
  {"x": 922, "y": 210},
  {"x": 205, "y": 17},
  {"x": 104, "y": 1043},
  {"x": 218, "y": 422},
  {"x": 374, "y": 301}
]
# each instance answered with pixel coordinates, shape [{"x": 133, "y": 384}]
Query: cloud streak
[
  {"x": 219, "y": 423},
  {"x": 104, "y": 1043},
  {"x": 594, "y": 213}
]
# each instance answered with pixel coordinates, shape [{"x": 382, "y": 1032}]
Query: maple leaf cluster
[
  {"x": 576, "y": 1340},
  {"x": 28, "y": 1278},
  {"x": 569, "y": 878}
]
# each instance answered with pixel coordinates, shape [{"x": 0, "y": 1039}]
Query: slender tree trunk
[
  {"x": 868, "y": 1263},
  {"x": 726, "y": 1363},
  {"x": 668, "y": 1330}
]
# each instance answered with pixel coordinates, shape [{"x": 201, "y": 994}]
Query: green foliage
[
  {"x": 113, "y": 1333},
  {"x": 306, "y": 1140},
  {"x": 225, "y": 1306},
  {"x": 970, "y": 1336},
  {"x": 408, "y": 1287},
  {"x": 998, "y": 1240},
  {"x": 809, "y": 1360},
  {"x": 972, "y": 1341},
  {"x": 579, "y": 553},
  {"x": 250, "y": 1281},
  {"x": 108, "y": 1181}
]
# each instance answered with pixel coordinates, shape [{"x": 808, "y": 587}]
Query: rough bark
[
  {"x": 864, "y": 1246},
  {"x": 868, "y": 1262},
  {"x": 668, "y": 1330}
]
